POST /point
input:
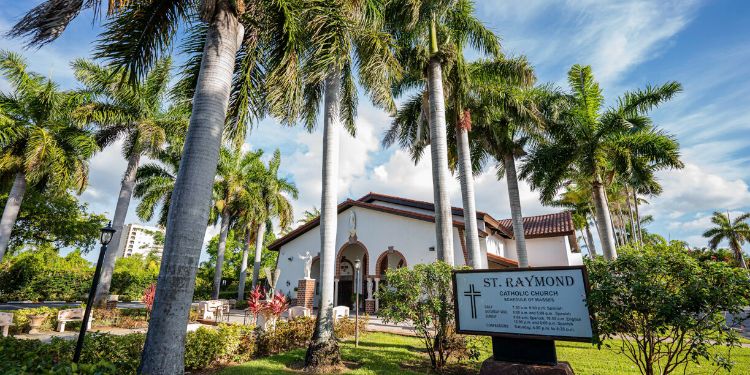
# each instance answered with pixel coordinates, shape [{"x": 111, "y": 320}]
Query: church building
[{"x": 384, "y": 232}]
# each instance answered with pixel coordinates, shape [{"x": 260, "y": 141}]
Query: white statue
[
  {"x": 307, "y": 258},
  {"x": 352, "y": 224}
]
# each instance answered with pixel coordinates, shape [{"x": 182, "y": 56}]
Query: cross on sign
[{"x": 473, "y": 294}]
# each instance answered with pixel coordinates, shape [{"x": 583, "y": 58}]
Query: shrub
[
  {"x": 344, "y": 327},
  {"x": 286, "y": 335},
  {"x": 42, "y": 274},
  {"x": 134, "y": 274},
  {"x": 229, "y": 343},
  {"x": 667, "y": 306},
  {"x": 423, "y": 296}
]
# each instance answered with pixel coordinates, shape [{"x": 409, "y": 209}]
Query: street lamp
[
  {"x": 357, "y": 285},
  {"x": 106, "y": 236}
]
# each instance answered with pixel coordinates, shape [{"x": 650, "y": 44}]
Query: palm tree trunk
[
  {"x": 737, "y": 248},
  {"x": 467, "y": 196},
  {"x": 515, "y": 210},
  {"x": 164, "y": 350},
  {"x": 220, "y": 250},
  {"x": 258, "y": 251},
  {"x": 590, "y": 238},
  {"x": 243, "y": 267},
  {"x": 440, "y": 173},
  {"x": 10, "y": 212},
  {"x": 637, "y": 217},
  {"x": 623, "y": 231},
  {"x": 633, "y": 234},
  {"x": 604, "y": 220},
  {"x": 118, "y": 222},
  {"x": 323, "y": 350}
]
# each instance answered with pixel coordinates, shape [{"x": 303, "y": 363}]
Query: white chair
[
  {"x": 71, "y": 315},
  {"x": 340, "y": 312},
  {"x": 299, "y": 311},
  {"x": 6, "y": 320}
]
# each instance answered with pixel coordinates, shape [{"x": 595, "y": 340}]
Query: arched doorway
[
  {"x": 315, "y": 274},
  {"x": 389, "y": 259},
  {"x": 347, "y": 257}
]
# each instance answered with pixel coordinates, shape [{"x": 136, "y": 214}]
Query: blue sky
[{"x": 705, "y": 45}]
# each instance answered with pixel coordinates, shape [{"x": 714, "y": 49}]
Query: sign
[{"x": 545, "y": 302}]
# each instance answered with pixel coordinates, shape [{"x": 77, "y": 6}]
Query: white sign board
[{"x": 545, "y": 302}]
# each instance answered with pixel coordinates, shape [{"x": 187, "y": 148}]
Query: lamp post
[
  {"x": 106, "y": 236},
  {"x": 357, "y": 285}
]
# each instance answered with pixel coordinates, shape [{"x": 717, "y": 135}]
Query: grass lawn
[{"x": 381, "y": 353}]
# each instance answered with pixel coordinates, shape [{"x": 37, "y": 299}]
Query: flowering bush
[
  {"x": 270, "y": 309},
  {"x": 148, "y": 297}
]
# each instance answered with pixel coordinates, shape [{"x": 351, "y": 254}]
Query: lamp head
[
  {"x": 356, "y": 264},
  {"x": 107, "y": 233}
]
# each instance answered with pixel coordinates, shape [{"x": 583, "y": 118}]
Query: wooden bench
[
  {"x": 71, "y": 315},
  {"x": 6, "y": 320}
]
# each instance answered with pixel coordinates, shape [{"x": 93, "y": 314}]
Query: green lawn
[{"x": 381, "y": 353}]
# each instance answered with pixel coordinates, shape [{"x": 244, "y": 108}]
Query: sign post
[{"x": 524, "y": 310}]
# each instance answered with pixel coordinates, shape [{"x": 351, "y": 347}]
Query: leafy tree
[
  {"x": 346, "y": 38},
  {"x": 137, "y": 34},
  {"x": 43, "y": 274},
  {"x": 136, "y": 114},
  {"x": 57, "y": 219},
  {"x": 666, "y": 307},
  {"x": 309, "y": 215},
  {"x": 736, "y": 232},
  {"x": 41, "y": 145},
  {"x": 586, "y": 142},
  {"x": 418, "y": 296},
  {"x": 441, "y": 31},
  {"x": 134, "y": 274}
]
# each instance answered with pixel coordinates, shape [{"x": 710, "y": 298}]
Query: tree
[
  {"x": 416, "y": 296},
  {"x": 274, "y": 204},
  {"x": 230, "y": 194},
  {"x": 586, "y": 141},
  {"x": 135, "y": 114},
  {"x": 309, "y": 215},
  {"x": 665, "y": 308},
  {"x": 578, "y": 199},
  {"x": 344, "y": 36},
  {"x": 457, "y": 27},
  {"x": 135, "y": 37},
  {"x": 41, "y": 144},
  {"x": 736, "y": 232},
  {"x": 154, "y": 182},
  {"x": 39, "y": 222}
]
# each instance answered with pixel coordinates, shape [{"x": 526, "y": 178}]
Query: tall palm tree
[
  {"x": 136, "y": 35},
  {"x": 274, "y": 204},
  {"x": 230, "y": 191},
  {"x": 509, "y": 119},
  {"x": 577, "y": 198},
  {"x": 344, "y": 36},
  {"x": 154, "y": 182},
  {"x": 588, "y": 140},
  {"x": 41, "y": 144},
  {"x": 455, "y": 27},
  {"x": 137, "y": 114},
  {"x": 309, "y": 215},
  {"x": 736, "y": 232}
]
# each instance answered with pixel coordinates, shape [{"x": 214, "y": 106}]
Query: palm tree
[
  {"x": 230, "y": 196},
  {"x": 309, "y": 215},
  {"x": 41, "y": 144},
  {"x": 588, "y": 140},
  {"x": 135, "y": 114},
  {"x": 577, "y": 198},
  {"x": 274, "y": 204},
  {"x": 154, "y": 182},
  {"x": 136, "y": 35},
  {"x": 456, "y": 27},
  {"x": 736, "y": 231},
  {"x": 344, "y": 35}
]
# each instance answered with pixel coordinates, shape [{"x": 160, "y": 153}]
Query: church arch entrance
[{"x": 345, "y": 283}]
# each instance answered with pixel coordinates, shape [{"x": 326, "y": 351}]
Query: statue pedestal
[
  {"x": 306, "y": 293},
  {"x": 493, "y": 367}
]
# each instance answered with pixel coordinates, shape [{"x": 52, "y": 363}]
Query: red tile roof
[
  {"x": 551, "y": 225},
  {"x": 548, "y": 225}
]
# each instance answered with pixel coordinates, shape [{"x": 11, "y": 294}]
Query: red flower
[{"x": 148, "y": 296}]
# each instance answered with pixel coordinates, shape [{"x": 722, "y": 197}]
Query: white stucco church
[{"x": 384, "y": 232}]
